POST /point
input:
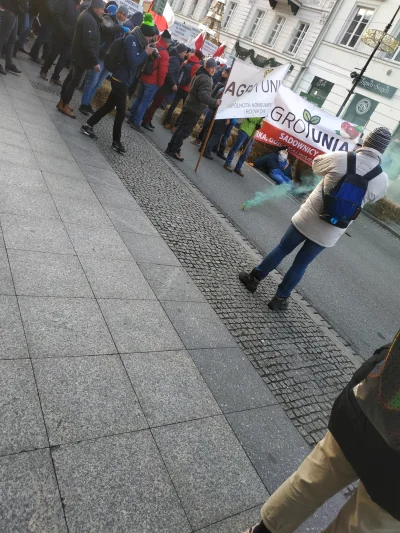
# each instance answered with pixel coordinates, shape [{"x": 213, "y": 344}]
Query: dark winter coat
[
  {"x": 84, "y": 6},
  {"x": 19, "y": 7},
  {"x": 86, "y": 41},
  {"x": 160, "y": 66},
  {"x": 174, "y": 66},
  {"x": 375, "y": 462},
  {"x": 271, "y": 162},
  {"x": 109, "y": 31},
  {"x": 63, "y": 15},
  {"x": 133, "y": 56},
  {"x": 200, "y": 93},
  {"x": 135, "y": 20}
]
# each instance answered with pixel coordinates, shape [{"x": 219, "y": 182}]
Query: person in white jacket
[{"x": 307, "y": 228}]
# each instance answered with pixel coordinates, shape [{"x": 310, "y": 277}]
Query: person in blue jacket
[
  {"x": 276, "y": 165},
  {"x": 136, "y": 48}
]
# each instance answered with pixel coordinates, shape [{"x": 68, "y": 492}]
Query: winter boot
[
  {"x": 68, "y": 111},
  {"x": 278, "y": 304},
  {"x": 60, "y": 105},
  {"x": 251, "y": 280},
  {"x": 260, "y": 528}
]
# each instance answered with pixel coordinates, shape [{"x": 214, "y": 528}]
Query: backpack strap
[
  {"x": 373, "y": 173},
  {"x": 351, "y": 163}
]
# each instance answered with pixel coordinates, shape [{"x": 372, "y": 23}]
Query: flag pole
[{"x": 211, "y": 126}]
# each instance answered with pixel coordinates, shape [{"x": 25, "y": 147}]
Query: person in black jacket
[
  {"x": 363, "y": 442},
  {"x": 63, "y": 15},
  {"x": 84, "y": 53},
  {"x": 44, "y": 35},
  {"x": 176, "y": 58},
  {"x": 8, "y": 31}
]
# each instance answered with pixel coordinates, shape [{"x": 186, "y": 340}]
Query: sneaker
[
  {"x": 84, "y": 109},
  {"x": 137, "y": 127},
  {"x": 2, "y": 70},
  {"x": 174, "y": 155},
  {"x": 88, "y": 130},
  {"x": 196, "y": 142},
  {"x": 238, "y": 171},
  {"x": 13, "y": 68},
  {"x": 152, "y": 126},
  {"x": 228, "y": 168},
  {"x": 251, "y": 280},
  {"x": 43, "y": 75},
  {"x": 118, "y": 147},
  {"x": 259, "y": 528},
  {"x": 278, "y": 304},
  {"x": 147, "y": 126},
  {"x": 91, "y": 110},
  {"x": 56, "y": 81}
]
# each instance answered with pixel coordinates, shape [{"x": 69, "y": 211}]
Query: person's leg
[
  {"x": 62, "y": 61},
  {"x": 103, "y": 75},
  {"x": 178, "y": 97},
  {"x": 213, "y": 140},
  {"x": 89, "y": 89},
  {"x": 157, "y": 101},
  {"x": 322, "y": 474},
  {"x": 137, "y": 101},
  {"x": 77, "y": 74},
  {"x": 260, "y": 162},
  {"x": 66, "y": 83},
  {"x": 185, "y": 128},
  {"x": 55, "y": 50},
  {"x": 121, "y": 92},
  {"x": 43, "y": 38},
  {"x": 147, "y": 97},
  {"x": 242, "y": 159},
  {"x": 278, "y": 176},
  {"x": 12, "y": 38},
  {"x": 24, "y": 33},
  {"x": 240, "y": 140},
  {"x": 225, "y": 137},
  {"x": 106, "y": 108}
]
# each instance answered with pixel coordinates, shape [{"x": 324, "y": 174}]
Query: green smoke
[{"x": 277, "y": 192}]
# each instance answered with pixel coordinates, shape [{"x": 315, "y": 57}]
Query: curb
[{"x": 394, "y": 232}]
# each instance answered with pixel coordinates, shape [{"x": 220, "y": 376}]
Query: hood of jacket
[
  {"x": 162, "y": 44},
  {"x": 193, "y": 59},
  {"x": 202, "y": 71}
]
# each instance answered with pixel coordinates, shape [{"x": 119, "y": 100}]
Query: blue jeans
[
  {"x": 143, "y": 100},
  {"x": 307, "y": 253},
  {"x": 279, "y": 177},
  {"x": 94, "y": 81},
  {"x": 241, "y": 140},
  {"x": 227, "y": 134}
]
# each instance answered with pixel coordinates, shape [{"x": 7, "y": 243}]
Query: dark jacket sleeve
[
  {"x": 204, "y": 92},
  {"x": 57, "y": 10},
  {"x": 89, "y": 37},
  {"x": 133, "y": 54},
  {"x": 173, "y": 70}
]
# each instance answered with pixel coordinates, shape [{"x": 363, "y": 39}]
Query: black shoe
[
  {"x": 13, "y": 68},
  {"x": 208, "y": 156},
  {"x": 2, "y": 70},
  {"x": 174, "y": 155},
  {"x": 146, "y": 126},
  {"x": 118, "y": 147},
  {"x": 152, "y": 126},
  {"x": 84, "y": 109},
  {"x": 278, "y": 304},
  {"x": 36, "y": 60},
  {"x": 221, "y": 155},
  {"x": 88, "y": 130},
  {"x": 56, "y": 81},
  {"x": 43, "y": 75},
  {"x": 91, "y": 110},
  {"x": 251, "y": 280},
  {"x": 136, "y": 127}
]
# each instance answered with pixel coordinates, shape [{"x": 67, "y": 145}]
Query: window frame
[
  {"x": 231, "y": 11},
  {"x": 272, "y": 30},
  {"x": 299, "y": 41},
  {"x": 255, "y": 25},
  {"x": 350, "y": 21}
]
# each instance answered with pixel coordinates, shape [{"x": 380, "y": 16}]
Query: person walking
[
  {"x": 245, "y": 134},
  {"x": 63, "y": 15},
  {"x": 135, "y": 49},
  {"x": 84, "y": 53},
  {"x": 153, "y": 76},
  {"x": 310, "y": 226},
  {"x": 176, "y": 57},
  {"x": 111, "y": 28},
  {"x": 276, "y": 165},
  {"x": 9, "y": 12},
  {"x": 199, "y": 97},
  {"x": 44, "y": 36},
  {"x": 188, "y": 70},
  {"x": 362, "y": 443}
]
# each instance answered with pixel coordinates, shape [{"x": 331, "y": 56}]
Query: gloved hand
[{"x": 126, "y": 29}]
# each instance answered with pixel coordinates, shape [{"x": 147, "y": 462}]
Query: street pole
[{"x": 359, "y": 76}]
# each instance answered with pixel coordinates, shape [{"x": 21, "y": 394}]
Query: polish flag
[
  {"x": 199, "y": 40},
  {"x": 219, "y": 51},
  {"x": 164, "y": 21}
]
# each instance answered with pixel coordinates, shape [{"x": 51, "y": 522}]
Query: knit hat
[
  {"x": 378, "y": 139},
  {"x": 123, "y": 9},
  {"x": 282, "y": 148},
  {"x": 181, "y": 48},
  {"x": 97, "y": 4},
  {"x": 199, "y": 54},
  {"x": 111, "y": 10},
  {"x": 166, "y": 36},
  {"x": 211, "y": 63},
  {"x": 147, "y": 27}
]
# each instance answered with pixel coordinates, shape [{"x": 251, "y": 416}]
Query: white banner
[
  {"x": 183, "y": 32},
  {"x": 131, "y": 6},
  {"x": 250, "y": 91},
  {"x": 209, "y": 48},
  {"x": 306, "y": 129}
]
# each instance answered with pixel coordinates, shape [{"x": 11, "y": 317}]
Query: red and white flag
[
  {"x": 219, "y": 51},
  {"x": 199, "y": 40},
  {"x": 164, "y": 21}
]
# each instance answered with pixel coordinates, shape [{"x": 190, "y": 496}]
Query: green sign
[
  {"x": 377, "y": 87},
  {"x": 159, "y": 6},
  {"x": 321, "y": 83},
  {"x": 317, "y": 100},
  {"x": 360, "y": 110}
]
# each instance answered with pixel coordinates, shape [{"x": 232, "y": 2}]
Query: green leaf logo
[
  {"x": 315, "y": 120},
  {"x": 306, "y": 115}
]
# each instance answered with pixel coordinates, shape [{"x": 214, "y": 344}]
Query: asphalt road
[{"x": 354, "y": 286}]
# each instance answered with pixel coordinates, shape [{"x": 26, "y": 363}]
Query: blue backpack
[{"x": 342, "y": 203}]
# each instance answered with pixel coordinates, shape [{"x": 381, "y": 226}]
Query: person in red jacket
[
  {"x": 153, "y": 77},
  {"x": 183, "y": 90}
]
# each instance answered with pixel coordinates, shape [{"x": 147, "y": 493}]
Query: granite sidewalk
[{"x": 124, "y": 399}]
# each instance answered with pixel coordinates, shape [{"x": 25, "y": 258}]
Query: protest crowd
[{"x": 86, "y": 43}]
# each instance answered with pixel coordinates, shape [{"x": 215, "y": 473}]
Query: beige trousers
[{"x": 321, "y": 475}]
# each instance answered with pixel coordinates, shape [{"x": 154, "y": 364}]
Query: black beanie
[
  {"x": 148, "y": 27},
  {"x": 166, "y": 36}
]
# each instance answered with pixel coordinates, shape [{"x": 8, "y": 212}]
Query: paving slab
[
  {"x": 21, "y": 201},
  {"x": 169, "y": 387},
  {"x": 209, "y": 469},
  {"x": 21, "y": 422},
  {"x": 235, "y": 524},
  {"x": 149, "y": 249},
  {"x": 115, "y": 196},
  {"x": 50, "y": 133},
  {"x": 91, "y": 156},
  {"x": 272, "y": 443},
  {"x": 83, "y": 212},
  {"x": 7, "y": 110},
  {"x": 41, "y": 235},
  {"x": 6, "y": 281},
  {"x": 11, "y": 122},
  {"x": 79, "y": 189},
  {"x": 29, "y": 497},
  {"x": 86, "y": 397},
  {"x": 45, "y": 274},
  {"x": 198, "y": 325},
  {"x": 27, "y": 178},
  {"x": 171, "y": 283},
  {"x": 139, "y": 326},
  {"x": 118, "y": 484},
  {"x": 102, "y": 177},
  {"x": 56, "y": 149},
  {"x": 12, "y": 337},
  {"x": 57, "y": 327},
  {"x": 232, "y": 379},
  {"x": 19, "y": 156},
  {"x": 13, "y": 138},
  {"x": 36, "y": 117},
  {"x": 49, "y": 163},
  {"x": 28, "y": 106},
  {"x": 134, "y": 220},
  {"x": 116, "y": 279},
  {"x": 100, "y": 242}
]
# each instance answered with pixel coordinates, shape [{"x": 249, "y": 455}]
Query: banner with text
[
  {"x": 131, "y": 6},
  {"x": 306, "y": 129},
  {"x": 183, "y": 32},
  {"x": 250, "y": 91}
]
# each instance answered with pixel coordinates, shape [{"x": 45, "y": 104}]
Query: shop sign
[{"x": 377, "y": 87}]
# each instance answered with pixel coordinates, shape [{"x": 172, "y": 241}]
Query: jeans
[
  {"x": 94, "y": 81},
  {"x": 58, "y": 48},
  {"x": 42, "y": 39},
  {"x": 279, "y": 177},
  {"x": 227, "y": 134},
  {"x": 116, "y": 98},
  {"x": 307, "y": 253},
  {"x": 143, "y": 100},
  {"x": 24, "y": 27},
  {"x": 8, "y": 34},
  {"x": 179, "y": 95},
  {"x": 241, "y": 140},
  {"x": 71, "y": 82},
  {"x": 157, "y": 101},
  {"x": 185, "y": 127}
]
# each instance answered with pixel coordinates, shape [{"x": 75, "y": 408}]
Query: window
[
  {"x": 256, "y": 24},
  {"x": 299, "y": 35},
  {"x": 318, "y": 92},
  {"x": 356, "y": 27},
  {"x": 231, "y": 11},
  {"x": 276, "y": 30},
  {"x": 396, "y": 55}
]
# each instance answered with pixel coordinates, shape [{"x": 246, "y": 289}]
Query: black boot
[
  {"x": 251, "y": 280},
  {"x": 278, "y": 304}
]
